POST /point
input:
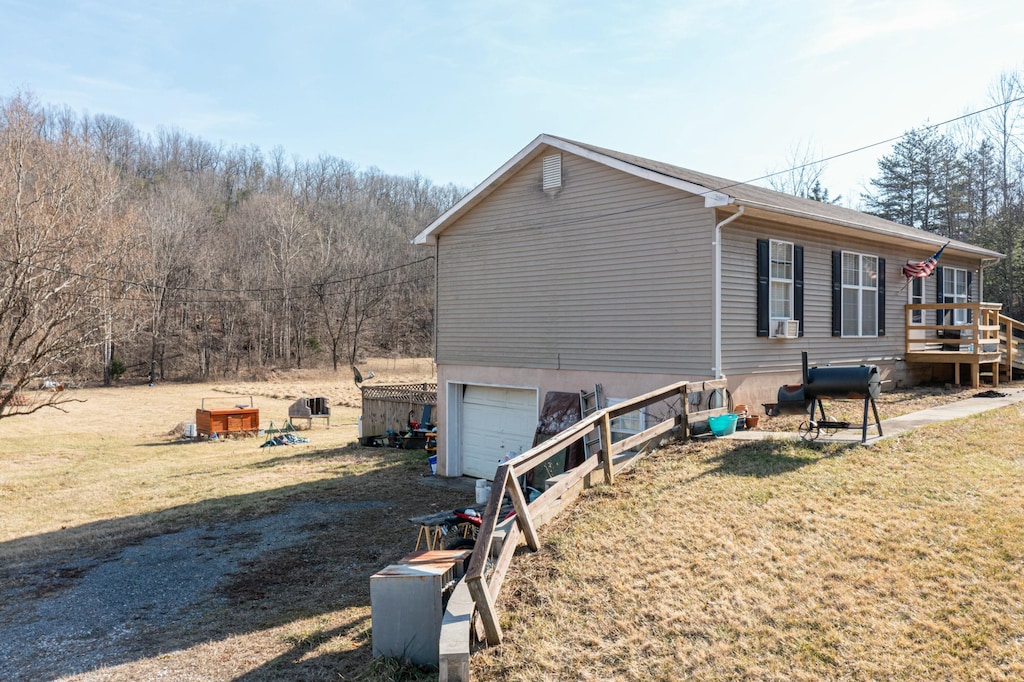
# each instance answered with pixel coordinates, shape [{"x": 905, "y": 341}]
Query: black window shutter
[
  {"x": 881, "y": 297},
  {"x": 763, "y": 282},
  {"x": 798, "y": 286},
  {"x": 837, "y": 293},
  {"x": 939, "y": 314}
]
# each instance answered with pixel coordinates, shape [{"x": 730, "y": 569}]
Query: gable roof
[{"x": 717, "y": 192}]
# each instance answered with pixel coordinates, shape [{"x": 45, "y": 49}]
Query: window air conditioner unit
[{"x": 787, "y": 329}]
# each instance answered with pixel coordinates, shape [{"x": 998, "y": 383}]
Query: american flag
[{"x": 925, "y": 267}]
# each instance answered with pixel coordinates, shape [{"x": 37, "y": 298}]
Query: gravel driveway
[{"x": 104, "y": 617}]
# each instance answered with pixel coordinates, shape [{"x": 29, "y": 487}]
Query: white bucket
[
  {"x": 190, "y": 430},
  {"x": 483, "y": 491}
]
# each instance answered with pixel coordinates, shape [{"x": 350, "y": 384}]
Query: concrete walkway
[{"x": 904, "y": 423}]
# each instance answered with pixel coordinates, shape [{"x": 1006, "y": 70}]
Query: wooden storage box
[{"x": 226, "y": 420}]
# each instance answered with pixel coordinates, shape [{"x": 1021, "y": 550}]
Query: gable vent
[{"x": 552, "y": 172}]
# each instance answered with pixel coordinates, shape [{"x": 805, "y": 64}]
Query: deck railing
[
  {"x": 975, "y": 342},
  {"x": 1011, "y": 343},
  {"x": 484, "y": 581}
]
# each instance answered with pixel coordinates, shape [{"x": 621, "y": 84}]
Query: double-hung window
[
  {"x": 956, "y": 289},
  {"x": 915, "y": 296},
  {"x": 780, "y": 285},
  {"x": 781, "y": 273},
  {"x": 860, "y": 294}
]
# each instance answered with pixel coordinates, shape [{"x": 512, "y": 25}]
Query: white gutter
[{"x": 717, "y": 278}]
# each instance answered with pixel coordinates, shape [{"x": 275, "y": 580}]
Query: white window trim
[
  {"x": 916, "y": 298},
  {"x": 790, "y": 283},
  {"x": 860, "y": 288},
  {"x": 949, "y": 277}
]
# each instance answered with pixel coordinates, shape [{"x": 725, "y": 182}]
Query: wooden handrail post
[
  {"x": 522, "y": 507},
  {"x": 606, "y": 449},
  {"x": 477, "y": 563},
  {"x": 684, "y": 395},
  {"x": 483, "y": 580},
  {"x": 485, "y": 607}
]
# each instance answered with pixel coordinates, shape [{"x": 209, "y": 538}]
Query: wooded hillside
[
  {"x": 122, "y": 252},
  {"x": 126, "y": 254}
]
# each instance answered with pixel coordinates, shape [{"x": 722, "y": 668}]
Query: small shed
[{"x": 392, "y": 407}]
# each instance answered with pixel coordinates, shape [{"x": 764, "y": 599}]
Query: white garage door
[{"x": 495, "y": 421}]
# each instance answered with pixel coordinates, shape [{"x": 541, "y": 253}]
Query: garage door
[{"x": 495, "y": 421}]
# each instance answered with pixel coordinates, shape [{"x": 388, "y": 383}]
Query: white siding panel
[{"x": 610, "y": 273}]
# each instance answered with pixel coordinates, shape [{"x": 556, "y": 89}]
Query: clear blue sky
[{"x": 452, "y": 89}]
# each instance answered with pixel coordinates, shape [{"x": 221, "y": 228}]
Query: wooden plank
[
  {"x": 485, "y": 606},
  {"x": 552, "y": 508},
  {"x": 647, "y": 399},
  {"x": 566, "y": 482},
  {"x": 950, "y": 356},
  {"x": 503, "y": 561},
  {"x": 485, "y": 534},
  {"x": 543, "y": 451},
  {"x": 522, "y": 512},
  {"x": 648, "y": 434},
  {"x": 606, "y": 449}
]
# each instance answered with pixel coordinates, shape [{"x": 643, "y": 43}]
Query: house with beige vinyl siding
[{"x": 573, "y": 265}]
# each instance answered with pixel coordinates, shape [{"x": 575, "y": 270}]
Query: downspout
[
  {"x": 717, "y": 279},
  {"x": 441, "y": 397}
]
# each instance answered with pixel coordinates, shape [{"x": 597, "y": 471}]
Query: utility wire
[
  {"x": 254, "y": 290},
  {"x": 674, "y": 200},
  {"x": 245, "y": 298},
  {"x": 270, "y": 290},
  {"x": 873, "y": 144}
]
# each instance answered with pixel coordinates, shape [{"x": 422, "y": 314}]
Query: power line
[
  {"x": 246, "y": 299},
  {"x": 259, "y": 291},
  {"x": 666, "y": 202},
  {"x": 253, "y": 290},
  {"x": 873, "y": 144}
]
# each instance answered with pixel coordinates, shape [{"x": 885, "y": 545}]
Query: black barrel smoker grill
[{"x": 861, "y": 382}]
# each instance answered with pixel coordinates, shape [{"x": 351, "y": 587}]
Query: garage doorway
[{"x": 495, "y": 421}]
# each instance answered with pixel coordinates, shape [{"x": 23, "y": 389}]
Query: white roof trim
[
  {"x": 429, "y": 234},
  {"x": 926, "y": 238},
  {"x": 712, "y": 198}
]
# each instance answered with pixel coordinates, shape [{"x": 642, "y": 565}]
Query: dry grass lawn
[
  {"x": 81, "y": 490},
  {"x": 115, "y": 452},
  {"x": 712, "y": 560},
  {"x": 774, "y": 560}
]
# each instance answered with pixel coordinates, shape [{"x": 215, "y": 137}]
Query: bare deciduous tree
[{"x": 60, "y": 228}]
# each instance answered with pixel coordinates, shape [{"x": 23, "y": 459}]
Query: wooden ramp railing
[
  {"x": 1011, "y": 345},
  {"x": 484, "y": 579}
]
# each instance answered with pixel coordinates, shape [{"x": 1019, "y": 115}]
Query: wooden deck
[{"x": 989, "y": 340}]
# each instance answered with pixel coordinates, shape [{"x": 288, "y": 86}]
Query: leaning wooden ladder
[{"x": 591, "y": 402}]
